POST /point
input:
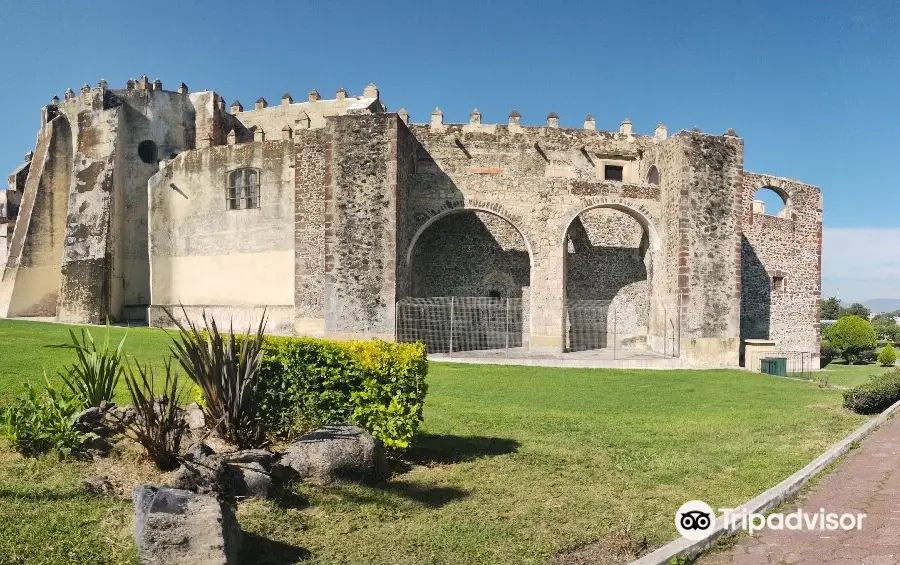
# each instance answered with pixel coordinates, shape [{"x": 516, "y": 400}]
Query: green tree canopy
[
  {"x": 830, "y": 309},
  {"x": 852, "y": 335},
  {"x": 885, "y": 327},
  {"x": 856, "y": 309}
]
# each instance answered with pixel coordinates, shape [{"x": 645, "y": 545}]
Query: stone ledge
[{"x": 775, "y": 496}]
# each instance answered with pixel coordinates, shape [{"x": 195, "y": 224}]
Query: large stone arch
[
  {"x": 494, "y": 210},
  {"x": 612, "y": 263},
  {"x": 479, "y": 258}
]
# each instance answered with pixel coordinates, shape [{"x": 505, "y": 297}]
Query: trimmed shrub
[
  {"x": 853, "y": 335},
  {"x": 874, "y": 396},
  {"x": 306, "y": 383},
  {"x": 866, "y": 356},
  {"x": 888, "y": 356}
]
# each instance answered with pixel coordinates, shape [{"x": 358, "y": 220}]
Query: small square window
[
  {"x": 613, "y": 172},
  {"x": 778, "y": 284}
]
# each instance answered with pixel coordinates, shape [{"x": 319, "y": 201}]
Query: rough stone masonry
[{"x": 328, "y": 212}]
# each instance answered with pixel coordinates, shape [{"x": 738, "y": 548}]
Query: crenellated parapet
[{"x": 515, "y": 121}]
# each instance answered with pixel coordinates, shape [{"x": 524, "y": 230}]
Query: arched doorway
[
  {"x": 469, "y": 284},
  {"x": 608, "y": 280}
]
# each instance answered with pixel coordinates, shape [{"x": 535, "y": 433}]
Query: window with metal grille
[{"x": 243, "y": 189}]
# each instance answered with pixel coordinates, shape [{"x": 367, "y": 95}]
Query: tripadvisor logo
[{"x": 695, "y": 520}]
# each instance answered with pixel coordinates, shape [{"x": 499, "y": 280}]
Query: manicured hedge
[
  {"x": 876, "y": 395},
  {"x": 308, "y": 382}
]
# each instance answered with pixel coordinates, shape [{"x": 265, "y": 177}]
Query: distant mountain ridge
[{"x": 883, "y": 304}]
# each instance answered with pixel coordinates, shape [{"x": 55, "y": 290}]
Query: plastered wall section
[
  {"x": 86, "y": 262},
  {"x": 788, "y": 247},
  {"x": 230, "y": 263},
  {"x": 31, "y": 279}
]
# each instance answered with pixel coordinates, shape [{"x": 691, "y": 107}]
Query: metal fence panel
[{"x": 449, "y": 324}]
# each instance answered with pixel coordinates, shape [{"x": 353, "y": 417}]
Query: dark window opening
[
  {"x": 653, "y": 175},
  {"x": 613, "y": 172},
  {"x": 243, "y": 189},
  {"x": 495, "y": 294},
  {"x": 778, "y": 284},
  {"x": 147, "y": 151}
]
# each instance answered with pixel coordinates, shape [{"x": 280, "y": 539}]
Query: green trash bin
[{"x": 774, "y": 366}]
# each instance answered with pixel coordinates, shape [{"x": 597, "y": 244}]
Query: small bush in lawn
[
  {"x": 307, "y": 382},
  {"x": 158, "y": 424},
  {"x": 888, "y": 356},
  {"x": 94, "y": 377},
  {"x": 38, "y": 422},
  {"x": 227, "y": 371},
  {"x": 876, "y": 395},
  {"x": 867, "y": 356}
]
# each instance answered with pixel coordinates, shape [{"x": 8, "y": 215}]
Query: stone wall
[
  {"x": 538, "y": 179},
  {"x": 786, "y": 246},
  {"x": 361, "y": 225},
  {"x": 709, "y": 247}
]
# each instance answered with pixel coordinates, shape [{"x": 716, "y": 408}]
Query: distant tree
[
  {"x": 830, "y": 309},
  {"x": 856, "y": 309},
  {"x": 852, "y": 335},
  {"x": 887, "y": 357},
  {"x": 885, "y": 327}
]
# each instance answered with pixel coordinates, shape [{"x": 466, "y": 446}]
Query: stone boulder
[
  {"x": 175, "y": 527},
  {"x": 241, "y": 473},
  {"x": 193, "y": 417},
  {"x": 335, "y": 454}
]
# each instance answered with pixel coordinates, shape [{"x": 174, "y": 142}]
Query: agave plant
[
  {"x": 158, "y": 424},
  {"x": 94, "y": 376},
  {"x": 227, "y": 373}
]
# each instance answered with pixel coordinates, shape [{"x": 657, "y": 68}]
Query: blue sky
[{"x": 811, "y": 87}]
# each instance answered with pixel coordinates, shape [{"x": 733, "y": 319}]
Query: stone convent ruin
[{"x": 342, "y": 219}]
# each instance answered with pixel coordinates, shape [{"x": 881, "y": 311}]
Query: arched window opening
[
  {"x": 770, "y": 202},
  {"x": 243, "y": 189},
  {"x": 653, "y": 175}
]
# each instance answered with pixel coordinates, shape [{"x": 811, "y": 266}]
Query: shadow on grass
[
  {"x": 430, "y": 496},
  {"x": 444, "y": 449},
  {"x": 426, "y": 495},
  {"x": 258, "y": 550}
]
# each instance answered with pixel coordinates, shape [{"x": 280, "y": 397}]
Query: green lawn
[
  {"x": 30, "y": 349},
  {"x": 513, "y": 465},
  {"x": 839, "y": 373}
]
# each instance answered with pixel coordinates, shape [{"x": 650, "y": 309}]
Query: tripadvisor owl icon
[{"x": 694, "y": 520}]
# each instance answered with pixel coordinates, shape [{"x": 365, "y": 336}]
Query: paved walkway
[{"x": 866, "y": 481}]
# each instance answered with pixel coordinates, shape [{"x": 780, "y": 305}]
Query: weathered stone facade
[{"x": 130, "y": 205}]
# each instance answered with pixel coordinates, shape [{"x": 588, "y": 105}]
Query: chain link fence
[
  {"x": 456, "y": 324},
  {"x": 602, "y": 324},
  {"x": 451, "y": 324}
]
